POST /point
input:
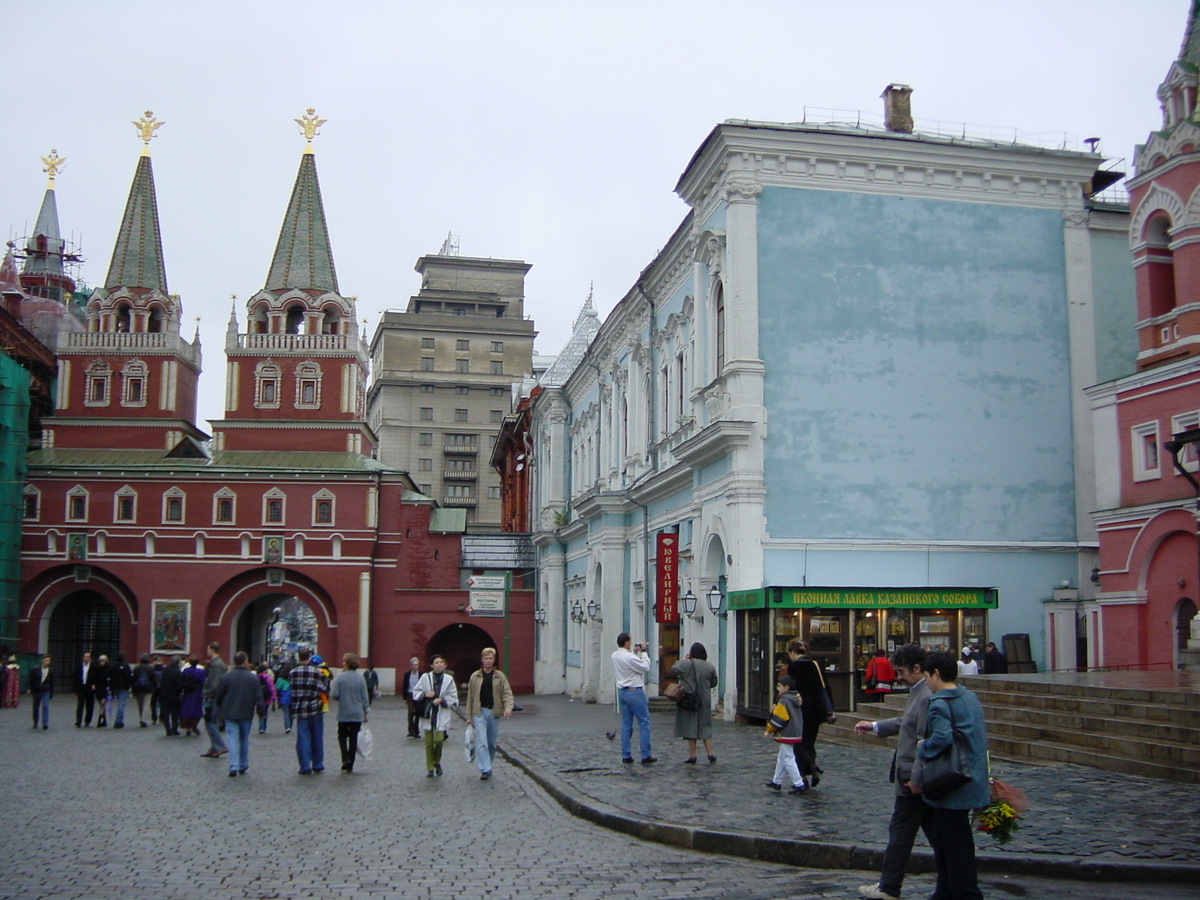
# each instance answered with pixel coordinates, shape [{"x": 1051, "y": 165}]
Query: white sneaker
[{"x": 872, "y": 892}]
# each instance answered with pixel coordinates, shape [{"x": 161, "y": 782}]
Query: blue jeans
[
  {"x": 216, "y": 743},
  {"x": 310, "y": 743},
  {"x": 237, "y": 732},
  {"x": 632, "y": 702},
  {"x": 486, "y": 728},
  {"x": 41, "y": 701},
  {"x": 287, "y": 716},
  {"x": 120, "y": 698},
  {"x": 262, "y": 719}
]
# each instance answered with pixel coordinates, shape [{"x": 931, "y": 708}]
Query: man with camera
[{"x": 630, "y": 667}]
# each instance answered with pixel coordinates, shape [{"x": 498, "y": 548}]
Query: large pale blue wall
[
  {"x": 917, "y": 382},
  {"x": 1114, "y": 296}
]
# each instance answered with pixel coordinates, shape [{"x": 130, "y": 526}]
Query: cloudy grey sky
[{"x": 552, "y": 132}]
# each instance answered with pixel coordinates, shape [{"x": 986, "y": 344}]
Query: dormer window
[
  {"x": 267, "y": 376},
  {"x": 133, "y": 383}
]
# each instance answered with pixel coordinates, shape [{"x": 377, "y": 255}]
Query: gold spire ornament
[
  {"x": 53, "y": 162},
  {"x": 309, "y": 125},
  {"x": 147, "y": 125}
]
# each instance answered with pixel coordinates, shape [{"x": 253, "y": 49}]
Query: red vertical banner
[{"x": 667, "y": 560}]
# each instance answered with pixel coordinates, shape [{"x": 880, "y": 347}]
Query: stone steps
[{"x": 1144, "y": 732}]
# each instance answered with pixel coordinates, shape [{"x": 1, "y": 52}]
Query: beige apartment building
[{"x": 443, "y": 372}]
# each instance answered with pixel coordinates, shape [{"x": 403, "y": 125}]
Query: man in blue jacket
[{"x": 954, "y": 709}]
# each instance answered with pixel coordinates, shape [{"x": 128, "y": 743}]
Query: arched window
[
  {"x": 123, "y": 319},
  {"x": 173, "y": 507},
  {"x": 156, "y": 323},
  {"x": 258, "y": 320},
  {"x": 331, "y": 321},
  {"x": 719, "y": 325},
  {"x": 267, "y": 376},
  {"x": 1160, "y": 261},
  {"x": 295, "y": 319},
  {"x": 125, "y": 505},
  {"x": 133, "y": 383}
]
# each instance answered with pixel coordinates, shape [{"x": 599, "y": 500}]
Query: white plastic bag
[
  {"x": 365, "y": 742},
  {"x": 469, "y": 742}
]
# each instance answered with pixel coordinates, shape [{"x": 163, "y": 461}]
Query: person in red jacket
[{"x": 878, "y": 677}]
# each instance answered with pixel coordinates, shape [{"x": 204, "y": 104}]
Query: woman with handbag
[
  {"x": 816, "y": 708},
  {"x": 693, "y": 713},
  {"x": 954, "y": 723}
]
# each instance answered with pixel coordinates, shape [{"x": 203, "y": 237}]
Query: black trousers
[
  {"x": 84, "y": 702},
  {"x": 954, "y": 853},
  {"x": 169, "y": 711},
  {"x": 414, "y": 721},
  {"x": 348, "y": 741},
  {"x": 909, "y": 815}
]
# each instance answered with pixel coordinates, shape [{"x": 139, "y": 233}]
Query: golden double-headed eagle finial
[
  {"x": 309, "y": 125},
  {"x": 53, "y": 162},
  {"x": 147, "y": 125}
]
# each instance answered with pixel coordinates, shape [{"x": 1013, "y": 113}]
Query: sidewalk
[{"x": 1085, "y": 824}]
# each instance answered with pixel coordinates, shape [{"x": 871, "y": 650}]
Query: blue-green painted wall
[
  {"x": 917, "y": 382},
  {"x": 1114, "y": 296}
]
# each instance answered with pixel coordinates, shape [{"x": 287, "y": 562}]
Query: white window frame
[
  {"x": 224, "y": 494},
  {"x": 308, "y": 373},
  {"x": 31, "y": 491},
  {"x": 1142, "y": 471},
  {"x": 267, "y": 372},
  {"x": 274, "y": 494},
  {"x": 135, "y": 372},
  {"x": 324, "y": 496},
  {"x": 97, "y": 373},
  {"x": 174, "y": 494},
  {"x": 77, "y": 492},
  {"x": 125, "y": 493}
]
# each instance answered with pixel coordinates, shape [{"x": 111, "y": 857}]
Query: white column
[{"x": 364, "y": 614}]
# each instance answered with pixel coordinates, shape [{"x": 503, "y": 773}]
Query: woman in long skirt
[{"x": 191, "y": 709}]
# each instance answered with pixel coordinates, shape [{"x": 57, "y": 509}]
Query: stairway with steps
[{"x": 1141, "y": 730}]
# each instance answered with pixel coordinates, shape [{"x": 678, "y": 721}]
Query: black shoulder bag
[{"x": 950, "y": 769}]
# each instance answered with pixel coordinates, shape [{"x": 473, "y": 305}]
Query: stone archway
[
  {"x": 273, "y": 626},
  {"x": 461, "y": 645},
  {"x": 1185, "y": 612},
  {"x": 82, "y": 622}
]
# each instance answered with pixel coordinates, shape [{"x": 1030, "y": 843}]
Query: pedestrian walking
[
  {"x": 191, "y": 703},
  {"x": 994, "y": 662},
  {"x": 630, "y": 665},
  {"x": 145, "y": 686},
  {"x": 816, "y": 703},
  {"x": 967, "y": 664},
  {"x": 786, "y": 727},
  {"x": 11, "y": 691},
  {"x": 953, "y": 710},
  {"x": 487, "y": 691},
  {"x": 308, "y": 685},
  {"x": 160, "y": 663},
  {"x": 213, "y": 673},
  {"x": 269, "y": 696},
  {"x": 407, "y": 688},
  {"x": 236, "y": 700},
  {"x": 354, "y": 703},
  {"x": 120, "y": 682},
  {"x": 100, "y": 682},
  {"x": 436, "y": 693},
  {"x": 84, "y": 687},
  {"x": 41, "y": 689},
  {"x": 909, "y": 812},
  {"x": 696, "y": 675},
  {"x": 283, "y": 693},
  {"x": 169, "y": 690},
  {"x": 372, "y": 680}
]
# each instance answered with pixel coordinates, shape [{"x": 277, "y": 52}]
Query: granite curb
[{"x": 830, "y": 855}]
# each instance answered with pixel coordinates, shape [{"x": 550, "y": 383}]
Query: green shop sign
[
  {"x": 755, "y": 599},
  {"x": 883, "y": 598}
]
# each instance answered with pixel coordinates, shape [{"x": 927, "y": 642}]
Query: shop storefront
[{"x": 843, "y": 628}]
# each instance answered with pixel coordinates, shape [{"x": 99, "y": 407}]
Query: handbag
[
  {"x": 949, "y": 770},
  {"x": 469, "y": 742},
  {"x": 826, "y": 699},
  {"x": 366, "y": 741},
  {"x": 684, "y": 699}
]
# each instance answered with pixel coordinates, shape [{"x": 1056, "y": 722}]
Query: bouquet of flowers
[{"x": 999, "y": 818}]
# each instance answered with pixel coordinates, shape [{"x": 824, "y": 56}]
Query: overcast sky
[{"x": 552, "y": 132}]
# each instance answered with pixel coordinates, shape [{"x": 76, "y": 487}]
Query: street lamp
[
  {"x": 689, "y": 607},
  {"x": 593, "y": 609},
  {"x": 577, "y": 611},
  {"x": 1175, "y": 446},
  {"x": 275, "y": 614},
  {"x": 714, "y": 597},
  {"x": 539, "y": 616}
]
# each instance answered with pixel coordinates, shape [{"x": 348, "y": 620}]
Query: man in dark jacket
[
  {"x": 994, "y": 662},
  {"x": 238, "y": 694},
  {"x": 170, "y": 695},
  {"x": 41, "y": 687},
  {"x": 83, "y": 685}
]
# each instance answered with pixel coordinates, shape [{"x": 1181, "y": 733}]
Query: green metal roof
[
  {"x": 137, "y": 259},
  {"x": 1190, "y": 51},
  {"x": 274, "y": 460},
  {"x": 303, "y": 258}
]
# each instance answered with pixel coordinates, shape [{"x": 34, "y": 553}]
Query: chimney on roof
[{"x": 897, "y": 109}]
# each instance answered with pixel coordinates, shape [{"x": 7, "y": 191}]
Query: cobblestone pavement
[
  {"x": 1077, "y": 811},
  {"x": 133, "y": 814}
]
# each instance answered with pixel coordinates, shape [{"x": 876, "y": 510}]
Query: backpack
[
  {"x": 266, "y": 689},
  {"x": 141, "y": 681}
]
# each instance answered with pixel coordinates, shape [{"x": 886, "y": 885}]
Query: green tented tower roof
[
  {"x": 137, "y": 259},
  {"x": 303, "y": 258}
]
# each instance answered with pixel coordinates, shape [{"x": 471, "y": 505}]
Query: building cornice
[
  {"x": 929, "y": 546},
  {"x": 713, "y": 442},
  {"x": 1145, "y": 378}
]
